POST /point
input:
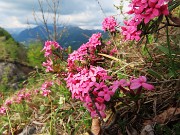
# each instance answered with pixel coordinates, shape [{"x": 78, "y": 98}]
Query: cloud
[{"x": 82, "y": 13}]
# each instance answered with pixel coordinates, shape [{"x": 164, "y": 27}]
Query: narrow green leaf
[
  {"x": 144, "y": 50},
  {"x": 163, "y": 49},
  {"x": 155, "y": 74}
]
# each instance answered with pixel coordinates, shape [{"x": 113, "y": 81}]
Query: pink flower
[
  {"x": 94, "y": 40},
  {"x": 46, "y": 85},
  {"x": 149, "y": 14},
  {"x": 49, "y": 46},
  {"x": 36, "y": 91},
  {"x": 109, "y": 24},
  {"x": 141, "y": 81},
  {"x": 131, "y": 33},
  {"x": 8, "y": 102},
  {"x": 106, "y": 94},
  {"x": 46, "y": 93},
  {"x": 49, "y": 65},
  {"x": 100, "y": 86},
  {"x": 84, "y": 53},
  {"x": 118, "y": 83},
  {"x": 164, "y": 9},
  {"x": 108, "y": 42},
  {"x": 20, "y": 97},
  {"x": 113, "y": 51},
  {"x": 101, "y": 108},
  {"x": 27, "y": 96},
  {"x": 3, "y": 110}
]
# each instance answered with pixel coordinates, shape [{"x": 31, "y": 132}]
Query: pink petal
[
  {"x": 135, "y": 85},
  {"x": 146, "y": 20},
  {"x": 148, "y": 86},
  {"x": 143, "y": 78},
  {"x": 155, "y": 12},
  {"x": 93, "y": 79},
  {"x": 103, "y": 114},
  {"x": 107, "y": 97},
  {"x": 100, "y": 100},
  {"x": 101, "y": 93}
]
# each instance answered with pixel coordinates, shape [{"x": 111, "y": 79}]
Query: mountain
[{"x": 69, "y": 35}]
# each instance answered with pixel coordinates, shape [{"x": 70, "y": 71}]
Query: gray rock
[
  {"x": 11, "y": 73},
  {"x": 28, "y": 130}
]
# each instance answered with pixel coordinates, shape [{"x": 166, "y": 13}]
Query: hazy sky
[{"x": 82, "y": 13}]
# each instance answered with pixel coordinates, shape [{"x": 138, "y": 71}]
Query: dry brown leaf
[
  {"x": 175, "y": 20},
  {"x": 95, "y": 128},
  {"x": 163, "y": 117}
]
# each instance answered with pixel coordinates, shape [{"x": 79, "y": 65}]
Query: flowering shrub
[{"x": 87, "y": 82}]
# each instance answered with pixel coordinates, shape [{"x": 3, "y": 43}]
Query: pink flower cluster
[
  {"x": 144, "y": 11},
  {"x": 87, "y": 82},
  {"x": 148, "y": 9},
  {"x": 49, "y": 47},
  {"x": 46, "y": 88},
  {"x": 131, "y": 32},
  {"x": 25, "y": 95},
  {"x": 48, "y": 64},
  {"x": 109, "y": 24},
  {"x": 132, "y": 85},
  {"x": 85, "y": 53},
  {"x": 21, "y": 96}
]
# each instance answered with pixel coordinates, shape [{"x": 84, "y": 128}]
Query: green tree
[{"x": 35, "y": 55}]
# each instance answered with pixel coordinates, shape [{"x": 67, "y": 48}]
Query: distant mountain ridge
[{"x": 69, "y": 35}]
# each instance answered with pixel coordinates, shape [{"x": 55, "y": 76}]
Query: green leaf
[
  {"x": 121, "y": 76},
  {"x": 155, "y": 74},
  {"x": 150, "y": 38},
  {"x": 163, "y": 49},
  {"x": 144, "y": 50},
  {"x": 173, "y": 5}
]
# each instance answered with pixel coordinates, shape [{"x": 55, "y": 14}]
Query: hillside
[
  {"x": 13, "y": 62},
  {"x": 9, "y": 48}
]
